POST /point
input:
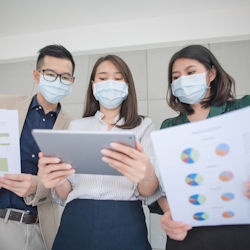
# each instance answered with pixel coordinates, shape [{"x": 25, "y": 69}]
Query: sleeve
[
  {"x": 241, "y": 103},
  {"x": 42, "y": 195},
  {"x": 148, "y": 148},
  {"x": 56, "y": 198}
]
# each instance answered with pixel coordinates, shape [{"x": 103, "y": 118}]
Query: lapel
[
  {"x": 22, "y": 109},
  {"x": 62, "y": 121}
]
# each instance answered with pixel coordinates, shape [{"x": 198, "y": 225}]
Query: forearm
[
  {"x": 64, "y": 190},
  {"x": 163, "y": 203},
  {"x": 148, "y": 186}
]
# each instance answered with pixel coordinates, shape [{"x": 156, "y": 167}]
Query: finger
[
  {"x": 127, "y": 150},
  {"x": 139, "y": 146},
  {"x": 57, "y": 167},
  {"x": 120, "y": 166},
  {"x": 247, "y": 194},
  {"x": 176, "y": 231},
  {"x": 132, "y": 178},
  {"x": 16, "y": 177},
  {"x": 12, "y": 183},
  {"x": 60, "y": 174},
  {"x": 247, "y": 184},
  {"x": 112, "y": 155},
  {"x": 40, "y": 155},
  {"x": 13, "y": 189},
  {"x": 178, "y": 237},
  {"x": 48, "y": 160}
]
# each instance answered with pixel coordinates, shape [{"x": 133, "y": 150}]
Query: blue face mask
[
  {"x": 110, "y": 93},
  {"x": 190, "y": 89},
  {"x": 53, "y": 92}
]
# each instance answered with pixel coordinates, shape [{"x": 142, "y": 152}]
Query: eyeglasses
[{"x": 51, "y": 76}]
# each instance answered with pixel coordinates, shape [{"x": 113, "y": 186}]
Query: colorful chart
[
  {"x": 4, "y": 164},
  {"x": 226, "y": 176},
  {"x": 227, "y": 196},
  {"x": 200, "y": 216},
  {"x": 228, "y": 214},
  {"x": 190, "y": 155},
  {"x": 222, "y": 149},
  {"x": 194, "y": 179},
  {"x": 197, "y": 199}
]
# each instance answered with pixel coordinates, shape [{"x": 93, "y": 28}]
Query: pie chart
[
  {"x": 226, "y": 176},
  {"x": 227, "y": 196},
  {"x": 194, "y": 179},
  {"x": 200, "y": 216},
  {"x": 222, "y": 149},
  {"x": 197, "y": 199},
  {"x": 228, "y": 214},
  {"x": 190, "y": 155}
]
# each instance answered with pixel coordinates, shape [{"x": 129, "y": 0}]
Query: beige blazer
[{"x": 48, "y": 212}]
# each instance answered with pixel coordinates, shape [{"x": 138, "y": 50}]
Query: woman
[
  {"x": 198, "y": 89},
  {"x": 105, "y": 212}
]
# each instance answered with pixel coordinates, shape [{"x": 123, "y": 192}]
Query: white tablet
[{"x": 82, "y": 149}]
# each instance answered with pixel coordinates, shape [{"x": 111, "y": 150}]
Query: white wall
[
  {"x": 178, "y": 22},
  {"x": 149, "y": 68}
]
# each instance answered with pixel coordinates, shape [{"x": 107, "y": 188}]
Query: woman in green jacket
[{"x": 199, "y": 88}]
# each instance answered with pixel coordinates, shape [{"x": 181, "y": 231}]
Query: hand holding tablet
[{"x": 81, "y": 149}]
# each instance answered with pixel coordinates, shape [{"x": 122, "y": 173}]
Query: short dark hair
[
  {"x": 57, "y": 51},
  {"x": 222, "y": 88},
  {"x": 129, "y": 109}
]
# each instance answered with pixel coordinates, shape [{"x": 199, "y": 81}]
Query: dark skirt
[
  {"x": 233, "y": 237},
  {"x": 102, "y": 225}
]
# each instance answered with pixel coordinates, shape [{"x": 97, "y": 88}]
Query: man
[{"x": 28, "y": 217}]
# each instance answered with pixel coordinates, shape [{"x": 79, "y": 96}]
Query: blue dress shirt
[{"x": 35, "y": 119}]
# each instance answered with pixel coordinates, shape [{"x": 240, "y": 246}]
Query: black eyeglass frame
[{"x": 65, "y": 82}]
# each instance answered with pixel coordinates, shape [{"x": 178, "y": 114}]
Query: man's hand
[{"x": 20, "y": 184}]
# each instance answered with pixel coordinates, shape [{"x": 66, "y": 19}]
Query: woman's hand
[
  {"x": 174, "y": 230},
  {"x": 247, "y": 192},
  {"x": 52, "y": 171},
  {"x": 134, "y": 164}
]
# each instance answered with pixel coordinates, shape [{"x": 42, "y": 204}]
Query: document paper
[
  {"x": 9, "y": 142},
  {"x": 203, "y": 167}
]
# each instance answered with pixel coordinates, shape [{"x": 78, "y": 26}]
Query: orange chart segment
[
  {"x": 226, "y": 176},
  {"x": 222, "y": 149}
]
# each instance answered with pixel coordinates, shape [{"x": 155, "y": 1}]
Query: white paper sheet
[
  {"x": 9, "y": 142},
  {"x": 203, "y": 166}
]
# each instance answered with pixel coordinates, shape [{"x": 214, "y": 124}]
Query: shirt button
[
  {"x": 33, "y": 156},
  {"x": 44, "y": 119},
  {"x": 51, "y": 115}
]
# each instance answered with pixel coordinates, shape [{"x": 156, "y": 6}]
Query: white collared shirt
[{"x": 104, "y": 187}]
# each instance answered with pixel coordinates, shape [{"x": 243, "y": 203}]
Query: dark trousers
[
  {"x": 102, "y": 225},
  {"x": 233, "y": 237}
]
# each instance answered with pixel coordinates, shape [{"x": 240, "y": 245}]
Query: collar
[
  {"x": 34, "y": 104},
  {"x": 217, "y": 110},
  {"x": 214, "y": 111},
  {"x": 99, "y": 115}
]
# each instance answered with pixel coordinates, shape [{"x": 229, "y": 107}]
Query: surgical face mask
[
  {"x": 110, "y": 93},
  {"x": 190, "y": 89},
  {"x": 53, "y": 92}
]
